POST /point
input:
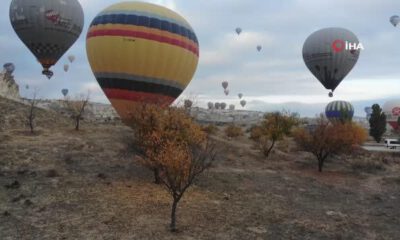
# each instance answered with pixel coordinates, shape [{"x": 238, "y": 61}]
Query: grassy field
[{"x": 63, "y": 184}]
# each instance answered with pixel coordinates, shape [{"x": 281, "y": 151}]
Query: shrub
[
  {"x": 233, "y": 131},
  {"x": 210, "y": 129}
]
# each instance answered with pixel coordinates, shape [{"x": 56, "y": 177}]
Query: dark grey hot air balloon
[
  {"x": 210, "y": 105},
  {"x": 238, "y": 30},
  {"x": 259, "y": 47},
  {"x": 395, "y": 20},
  {"x": 231, "y": 107},
  {"x": 27, "y": 86},
  {"x": 64, "y": 92},
  {"x": 223, "y": 106},
  {"x": 325, "y": 55},
  {"x": 243, "y": 103},
  {"x": 225, "y": 84},
  {"x": 240, "y": 95},
  {"x": 226, "y": 91},
  {"x": 9, "y": 68},
  {"x": 217, "y": 105},
  {"x": 66, "y": 67},
  {"x": 47, "y": 27}
]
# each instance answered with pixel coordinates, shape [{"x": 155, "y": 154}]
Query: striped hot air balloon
[
  {"x": 339, "y": 111},
  {"x": 141, "y": 52}
]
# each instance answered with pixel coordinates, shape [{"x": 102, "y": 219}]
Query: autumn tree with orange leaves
[
  {"x": 327, "y": 139},
  {"x": 169, "y": 142}
]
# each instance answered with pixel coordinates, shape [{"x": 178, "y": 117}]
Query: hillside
[{"x": 63, "y": 184}]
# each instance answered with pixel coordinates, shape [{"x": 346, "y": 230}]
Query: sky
[{"x": 275, "y": 78}]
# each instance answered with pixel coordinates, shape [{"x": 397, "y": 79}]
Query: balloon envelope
[
  {"x": 9, "y": 67},
  {"x": 210, "y": 105},
  {"x": 240, "y": 95},
  {"x": 217, "y": 105},
  {"x": 238, "y": 30},
  {"x": 64, "y": 92},
  {"x": 71, "y": 58},
  {"x": 226, "y": 91},
  {"x": 66, "y": 67},
  {"x": 327, "y": 59},
  {"x": 231, "y": 107},
  {"x": 392, "y": 111},
  {"x": 339, "y": 111},
  {"x": 141, "y": 52},
  {"x": 188, "y": 103},
  {"x": 259, "y": 47},
  {"x": 395, "y": 20},
  {"x": 223, "y": 106},
  {"x": 243, "y": 103},
  {"x": 47, "y": 27},
  {"x": 225, "y": 84}
]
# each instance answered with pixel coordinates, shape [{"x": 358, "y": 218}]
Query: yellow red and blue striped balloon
[{"x": 141, "y": 52}]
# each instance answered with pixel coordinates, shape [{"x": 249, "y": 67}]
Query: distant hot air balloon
[
  {"x": 188, "y": 103},
  {"x": 325, "y": 55},
  {"x": 339, "y": 111},
  {"x": 127, "y": 43},
  {"x": 217, "y": 105},
  {"x": 210, "y": 105},
  {"x": 240, "y": 95},
  {"x": 64, "y": 92},
  {"x": 259, "y": 47},
  {"x": 9, "y": 68},
  {"x": 392, "y": 111},
  {"x": 226, "y": 91},
  {"x": 238, "y": 30},
  {"x": 26, "y": 86},
  {"x": 243, "y": 103},
  {"x": 71, "y": 58},
  {"x": 395, "y": 20},
  {"x": 223, "y": 106},
  {"x": 47, "y": 27},
  {"x": 66, "y": 67},
  {"x": 368, "y": 111},
  {"x": 225, "y": 84},
  {"x": 231, "y": 107}
]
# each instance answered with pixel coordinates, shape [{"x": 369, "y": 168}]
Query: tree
[
  {"x": 377, "y": 123},
  {"x": 233, "y": 131},
  {"x": 273, "y": 128},
  {"x": 76, "y": 108},
  {"x": 174, "y": 145},
  {"x": 327, "y": 139},
  {"x": 31, "y": 114}
]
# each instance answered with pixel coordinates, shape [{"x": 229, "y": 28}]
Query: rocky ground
[{"x": 63, "y": 184}]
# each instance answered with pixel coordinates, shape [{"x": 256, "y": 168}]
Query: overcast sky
[{"x": 272, "y": 79}]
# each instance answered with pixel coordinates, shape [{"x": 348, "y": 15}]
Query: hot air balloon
[
  {"x": 66, "y": 67},
  {"x": 188, "y": 103},
  {"x": 368, "y": 111},
  {"x": 223, "y": 106},
  {"x": 243, "y": 103},
  {"x": 47, "y": 27},
  {"x": 141, "y": 52},
  {"x": 64, "y": 92},
  {"x": 217, "y": 105},
  {"x": 210, "y": 105},
  {"x": 238, "y": 31},
  {"x": 9, "y": 68},
  {"x": 226, "y": 91},
  {"x": 225, "y": 84},
  {"x": 339, "y": 111},
  {"x": 231, "y": 107},
  {"x": 240, "y": 95},
  {"x": 392, "y": 111},
  {"x": 395, "y": 20},
  {"x": 325, "y": 55},
  {"x": 259, "y": 47},
  {"x": 26, "y": 86},
  {"x": 71, "y": 58}
]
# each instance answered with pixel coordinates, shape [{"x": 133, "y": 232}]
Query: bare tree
[
  {"x": 76, "y": 108},
  {"x": 31, "y": 114}
]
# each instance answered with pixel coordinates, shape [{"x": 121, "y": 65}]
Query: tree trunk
[
  {"x": 31, "y": 124},
  {"x": 77, "y": 123},
  {"x": 268, "y": 151},
  {"x": 320, "y": 164},
  {"x": 157, "y": 179},
  {"x": 173, "y": 215}
]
